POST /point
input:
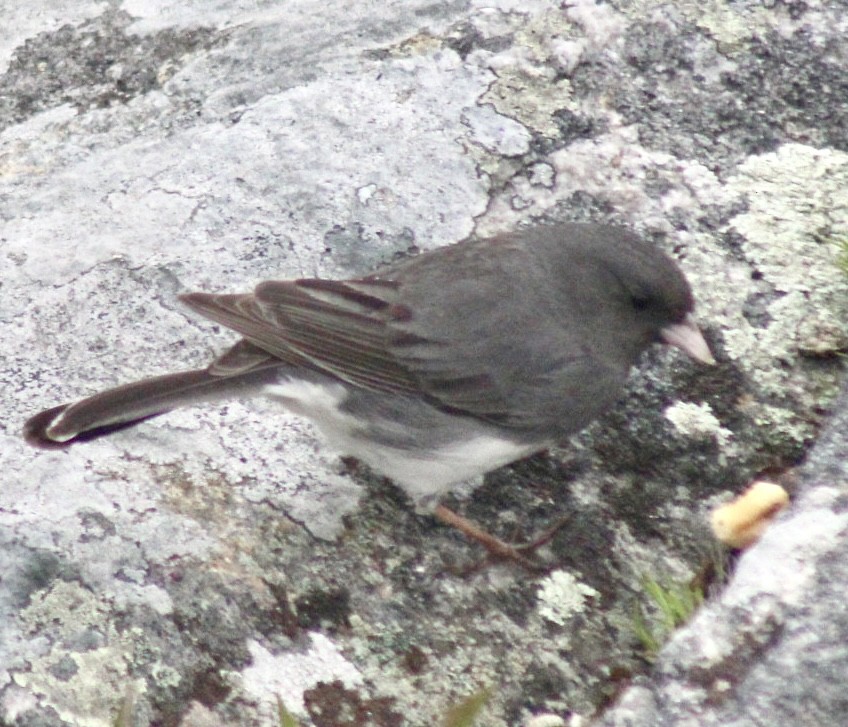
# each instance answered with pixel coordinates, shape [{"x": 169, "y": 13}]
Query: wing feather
[{"x": 324, "y": 325}]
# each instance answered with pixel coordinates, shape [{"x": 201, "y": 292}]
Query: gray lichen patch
[
  {"x": 796, "y": 202},
  {"x": 531, "y": 83},
  {"x": 96, "y": 64},
  {"x": 82, "y": 685}
]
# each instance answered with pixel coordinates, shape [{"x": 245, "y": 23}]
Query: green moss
[
  {"x": 125, "y": 711},
  {"x": 842, "y": 258},
  {"x": 285, "y": 717},
  {"x": 672, "y": 605},
  {"x": 466, "y": 712}
]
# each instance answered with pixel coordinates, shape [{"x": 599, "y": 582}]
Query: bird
[{"x": 437, "y": 368}]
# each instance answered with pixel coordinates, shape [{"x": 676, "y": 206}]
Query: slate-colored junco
[{"x": 440, "y": 367}]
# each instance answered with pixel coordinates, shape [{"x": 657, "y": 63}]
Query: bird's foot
[{"x": 497, "y": 549}]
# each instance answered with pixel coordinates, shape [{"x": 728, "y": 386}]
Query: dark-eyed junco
[{"x": 440, "y": 367}]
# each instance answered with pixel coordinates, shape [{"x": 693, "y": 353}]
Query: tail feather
[
  {"x": 35, "y": 429},
  {"x": 125, "y": 406}
]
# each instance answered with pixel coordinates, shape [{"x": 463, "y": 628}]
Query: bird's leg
[{"x": 495, "y": 546}]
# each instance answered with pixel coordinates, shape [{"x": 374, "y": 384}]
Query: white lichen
[
  {"x": 289, "y": 675},
  {"x": 697, "y": 421},
  {"x": 562, "y": 596}
]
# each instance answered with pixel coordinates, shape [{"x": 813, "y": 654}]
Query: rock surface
[
  {"x": 772, "y": 648},
  {"x": 215, "y": 559}
]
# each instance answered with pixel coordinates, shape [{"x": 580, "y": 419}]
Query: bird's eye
[{"x": 639, "y": 303}]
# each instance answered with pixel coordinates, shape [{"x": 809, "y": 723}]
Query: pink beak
[{"x": 688, "y": 338}]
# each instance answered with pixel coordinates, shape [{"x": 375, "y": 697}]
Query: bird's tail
[{"x": 125, "y": 406}]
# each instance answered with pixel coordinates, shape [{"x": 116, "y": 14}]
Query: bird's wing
[{"x": 335, "y": 327}]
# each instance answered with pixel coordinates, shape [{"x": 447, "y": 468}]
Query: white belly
[{"x": 425, "y": 473}]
